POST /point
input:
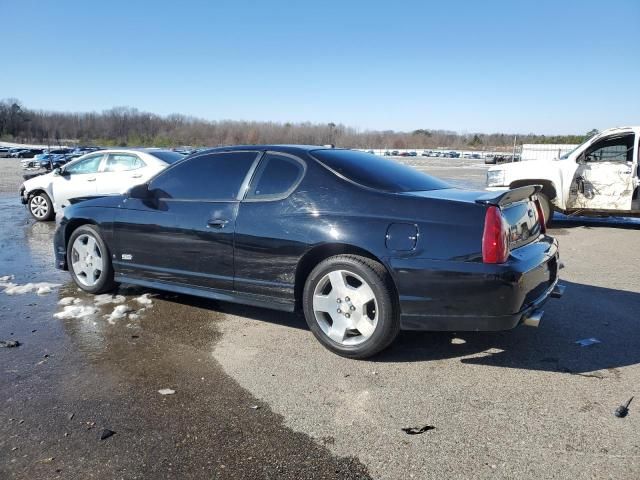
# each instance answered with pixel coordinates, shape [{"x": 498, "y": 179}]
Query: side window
[
  {"x": 217, "y": 176},
  {"x": 613, "y": 149},
  {"x": 275, "y": 177},
  {"x": 87, "y": 165},
  {"x": 121, "y": 162}
]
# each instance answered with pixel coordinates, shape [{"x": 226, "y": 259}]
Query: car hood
[
  {"x": 39, "y": 181},
  {"x": 108, "y": 201},
  {"x": 525, "y": 166}
]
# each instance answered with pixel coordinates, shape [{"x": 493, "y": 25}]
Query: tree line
[{"x": 125, "y": 126}]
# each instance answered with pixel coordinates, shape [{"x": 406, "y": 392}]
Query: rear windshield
[
  {"x": 376, "y": 172},
  {"x": 167, "y": 156}
]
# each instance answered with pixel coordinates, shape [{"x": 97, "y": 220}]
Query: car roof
[
  {"x": 278, "y": 147},
  {"x": 130, "y": 149}
]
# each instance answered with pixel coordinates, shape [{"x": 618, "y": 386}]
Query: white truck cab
[{"x": 600, "y": 177}]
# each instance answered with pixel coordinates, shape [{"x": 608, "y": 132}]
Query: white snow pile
[
  {"x": 41, "y": 288},
  {"x": 106, "y": 298},
  {"x": 5, "y": 279},
  {"x": 76, "y": 311},
  {"x": 144, "y": 299},
  {"x": 119, "y": 312},
  {"x": 66, "y": 301},
  {"x": 166, "y": 391},
  {"x": 134, "y": 316}
]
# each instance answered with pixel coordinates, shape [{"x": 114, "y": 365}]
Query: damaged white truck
[{"x": 600, "y": 177}]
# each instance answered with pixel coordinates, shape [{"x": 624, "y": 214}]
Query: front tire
[
  {"x": 41, "y": 207},
  {"x": 547, "y": 207},
  {"x": 350, "y": 306},
  {"x": 89, "y": 260}
]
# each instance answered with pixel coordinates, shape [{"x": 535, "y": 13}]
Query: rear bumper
[{"x": 472, "y": 296}]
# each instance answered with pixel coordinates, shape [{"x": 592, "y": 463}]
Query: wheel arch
[
  {"x": 73, "y": 225},
  {"x": 323, "y": 251},
  {"x": 37, "y": 190},
  {"x": 548, "y": 187}
]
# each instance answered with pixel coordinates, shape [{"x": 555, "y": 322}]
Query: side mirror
[
  {"x": 57, "y": 171},
  {"x": 139, "y": 191}
]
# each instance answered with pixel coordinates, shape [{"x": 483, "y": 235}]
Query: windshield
[
  {"x": 167, "y": 156},
  {"x": 376, "y": 172},
  {"x": 566, "y": 155}
]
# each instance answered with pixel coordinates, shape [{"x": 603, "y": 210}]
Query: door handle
[
  {"x": 91, "y": 179},
  {"x": 136, "y": 175},
  {"x": 217, "y": 223}
]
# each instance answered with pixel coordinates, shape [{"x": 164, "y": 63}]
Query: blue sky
[{"x": 543, "y": 67}]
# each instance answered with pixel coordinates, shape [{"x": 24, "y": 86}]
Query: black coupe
[{"x": 365, "y": 246}]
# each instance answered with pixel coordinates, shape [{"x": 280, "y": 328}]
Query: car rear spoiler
[{"x": 502, "y": 198}]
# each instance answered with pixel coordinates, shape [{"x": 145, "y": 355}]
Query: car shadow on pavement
[
  {"x": 568, "y": 221},
  {"x": 610, "y": 316},
  {"x": 276, "y": 317},
  {"x": 607, "y": 315}
]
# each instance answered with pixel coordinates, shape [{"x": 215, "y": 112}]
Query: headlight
[{"x": 495, "y": 178}]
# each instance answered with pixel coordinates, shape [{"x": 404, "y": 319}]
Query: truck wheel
[
  {"x": 350, "y": 306},
  {"x": 547, "y": 207}
]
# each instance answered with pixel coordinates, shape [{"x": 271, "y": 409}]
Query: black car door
[
  {"x": 183, "y": 233},
  {"x": 271, "y": 230}
]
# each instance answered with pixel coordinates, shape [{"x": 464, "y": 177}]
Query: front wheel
[
  {"x": 89, "y": 260},
  {"x": 41, "y": 207},
  {"x": 350, "y": 306},
  {"x": 546, "y": 206}
]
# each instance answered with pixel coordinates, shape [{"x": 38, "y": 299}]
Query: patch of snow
[
  {"x": 77, "y": 301},
  {"x": 134, "y": 316},
  {"x": 5, "y": 280},
  {"x": 67, "y": 300},
  {"x": 42, "y": 288},
  {"x": 144, "y": 299},
  {"x": 106, "y": 298},
  {"x": 166, "y": 391},
  {"x": 119, "y": 312},
  {"x": 76, "y": 311}
]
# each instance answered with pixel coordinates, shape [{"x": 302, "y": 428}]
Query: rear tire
[
  {"x": 89, "y": 260},
  {"x": 41, "y": 207},
  {"x": 350, "y": 306}
]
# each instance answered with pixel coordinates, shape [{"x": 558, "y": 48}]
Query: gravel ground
[
  {"x": 10, "y": 176},
  {"x": 527, "y": 403}
]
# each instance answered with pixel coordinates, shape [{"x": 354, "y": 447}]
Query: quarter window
[
  {"x": 275, "y": 176},
  {"x": 121, "y": 162},
  {"x": 87, "y": 165},
  {"x": 216, "y": 176}
]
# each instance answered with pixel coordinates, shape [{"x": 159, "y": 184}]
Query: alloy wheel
[
  {"x": 87, "y": 260},
  {"x": 345, "y": 307},
  {"x": 39, "y": 206}
]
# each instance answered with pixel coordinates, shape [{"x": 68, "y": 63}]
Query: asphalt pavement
[{"x": 255, "y": 396}]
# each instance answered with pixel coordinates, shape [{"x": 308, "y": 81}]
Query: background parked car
[{"x": 105, "y": 172}]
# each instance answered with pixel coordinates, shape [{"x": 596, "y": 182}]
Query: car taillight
[
  {"x": 495, "y": 240},
  {"x": 541, "y": 219}
]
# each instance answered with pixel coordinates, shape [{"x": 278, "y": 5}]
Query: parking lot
[{"x": 256, "y": 396}]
